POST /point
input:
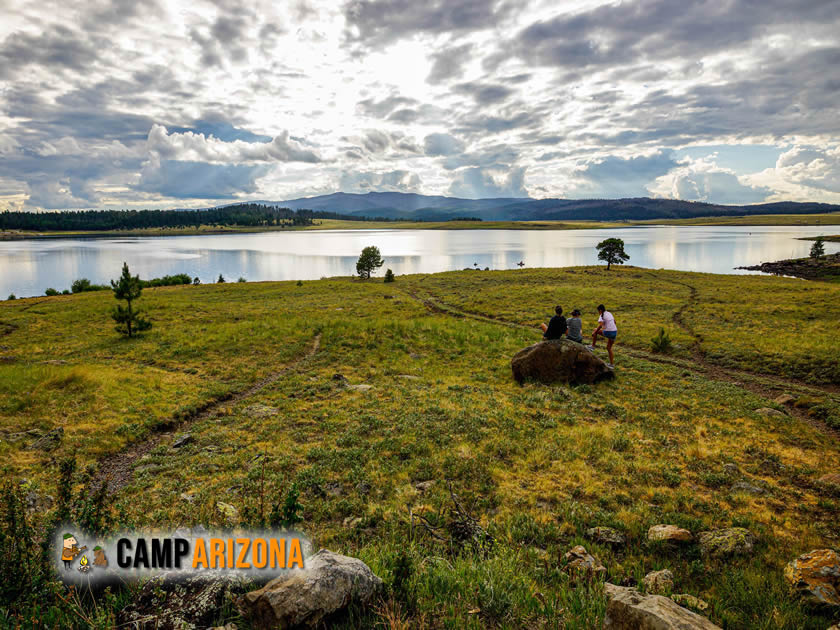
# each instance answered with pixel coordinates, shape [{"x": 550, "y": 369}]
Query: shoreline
[
  {"x": 793, "y": 220},
  {"x": 826, "y": 268}
]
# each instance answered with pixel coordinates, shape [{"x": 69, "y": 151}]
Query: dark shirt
[{"x": 556, "y": 328}]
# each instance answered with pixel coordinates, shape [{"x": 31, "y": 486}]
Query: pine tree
[
  {"x": 818, "y": 248},
  {"x": 389, "y": 276},
  {"x": 612, "y": 252},
  {"x": 368, "y": 262},
  {"x": 129, "y": 321}
]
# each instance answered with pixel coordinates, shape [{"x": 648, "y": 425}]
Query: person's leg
[
  {"x": 594, "y": 337},
  {"x": 609, "y": 350}
]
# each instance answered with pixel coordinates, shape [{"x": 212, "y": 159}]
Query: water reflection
[{"x": 29, "y": 267}]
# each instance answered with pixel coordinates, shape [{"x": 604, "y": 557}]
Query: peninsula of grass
[{"x": 408, "y": 398}]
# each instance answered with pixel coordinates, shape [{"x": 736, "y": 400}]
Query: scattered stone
[
  {"x": 784, "y": 399},
  {"x": 580, "y": 562},
  {"x": 659, "y": 582},
  {"x": 415, "y": 356},
  {"x": 558, "y": 360},
  {"x": 175, "y": 601},
  {"x": 689, "y": 601},
  {"x": 606, "y": 536},
  {"x": 628, "y": 609},
  {"x": 50, "y": 441},
  {"x": 771, "y": 413},
  {"x": 227, "y": 510},
  {"x": 351, "y": 521},
  {"x": 334, "y": 488},
  {"x": 747, "y": 487},
  {"x": 815, "y": 577},
  {"x": 36, "y": 502},
  {"x": 669, "y": 534},
  {"x": 722, "y": 543},
  {"x": 423, "y": 486},
  {"x": 258, "y": 410},
  {"x": 730, "y": 469},
  {"x": 183, "y": 441},
  {"x": 339, "y": 377},
  {"x": 329, "y": 583},
  {"x": 187, "y": 497},
  {"x": 408, "y": 377},
  {"x": 363, "y": 488},
  {"x": 363, "y": 387}
]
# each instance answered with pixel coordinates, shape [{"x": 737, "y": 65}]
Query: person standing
[
  {"x": 556, "y": 325},
  {"x": 607, "y": 329}
]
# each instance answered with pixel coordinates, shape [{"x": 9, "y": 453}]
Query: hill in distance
[{"x": 411, "y": 206}]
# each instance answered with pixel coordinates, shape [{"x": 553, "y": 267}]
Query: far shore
[{"x": 828, "y": 219}]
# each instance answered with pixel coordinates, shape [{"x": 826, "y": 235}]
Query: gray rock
[
  {"x": 558, "y": 360},
  {"x": 606, "y": 536},
  {"x": 659, "y": 582},
  {"x": 770, "y": 413},
  {"x": 627, "y": 609},
  {"x": 50, "y": 441},
  {"x": 424, "y": 486},
  {"x": 361, "y": 387},
  {"x": 176, "y": 601},
  {"x": 747, "y": 487},
  {"x": 363, "y": 488},
  {"x": 579, "y": 561},
  {"x": 334, "y": 488},
  {"x": 723, "y": 543},
  {"x": 183, "y": 440},
  {"x": 730, "y": 469},
  {"x": 784, "y": 399},
  {"x": 305, "y": 597}
]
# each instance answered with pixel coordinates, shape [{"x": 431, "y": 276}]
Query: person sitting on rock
[
  {"x": 575, "y": 327},
  {"x": 607, "y": 329},
  {"x": 556, "y": 325}
]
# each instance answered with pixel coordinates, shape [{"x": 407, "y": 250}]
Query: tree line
[{"x": 244, "y": 215}]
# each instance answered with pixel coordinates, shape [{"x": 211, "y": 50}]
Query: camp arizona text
[{"x": 213, "y": 553}]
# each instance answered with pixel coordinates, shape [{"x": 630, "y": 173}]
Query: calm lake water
[{"x": 28, "y": 267}]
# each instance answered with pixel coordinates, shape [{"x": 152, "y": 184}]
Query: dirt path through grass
[
  {"x": 117, "y": 470},
  {"x": 766, "y": 386}
]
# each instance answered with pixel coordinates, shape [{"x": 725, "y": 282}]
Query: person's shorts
[{"x": 610, "y": 334}]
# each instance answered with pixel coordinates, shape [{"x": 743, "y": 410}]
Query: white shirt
[{"x": 608, "y": 321}]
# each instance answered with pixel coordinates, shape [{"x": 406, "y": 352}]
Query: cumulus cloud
[
  {"x": 197, "y": 147},
  {"x": 622, "y": 177},
  {"x": 198, "y": 180},
  {"x": 391, "y": 181},
  {"x": 703, "y": 180},
  {"x": 478, "y": 182},
  {"x": 811, "y": 166}
]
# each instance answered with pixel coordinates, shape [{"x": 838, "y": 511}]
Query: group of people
[{"x": 572, "y": 328}]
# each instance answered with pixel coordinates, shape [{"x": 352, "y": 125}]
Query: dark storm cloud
[
  {"x": 619, "y": 34},
  {"x": 620, "y": 177},
  {"x": 381, "y": 22},
  {"x": 484, "y": 93},
  {"x": 449, "y": 63},
  {"x": 198, "y": 180},
  {"x": 59, "y": 47}
]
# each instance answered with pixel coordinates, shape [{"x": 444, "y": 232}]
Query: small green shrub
[{"x": 661, "y": 343}]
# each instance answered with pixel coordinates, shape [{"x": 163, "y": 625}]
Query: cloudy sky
[{"x": 154, "y": 103}]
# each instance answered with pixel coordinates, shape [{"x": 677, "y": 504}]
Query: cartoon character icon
[
  {"x": 99, "y": 558},
  {"x": 70, "y": 550}
]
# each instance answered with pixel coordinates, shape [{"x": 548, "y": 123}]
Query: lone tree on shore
[
  {"x": 612, "y": 251},
  {"x": 128, "y": 288},
  {"x": 818, "y": 248},
  {"x": 369, "y": 262},
  {"x": 389, "y": 275}
]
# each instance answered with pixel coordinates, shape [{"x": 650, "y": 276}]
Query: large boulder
[
  {"x": 628, "y": 609},
  {"x": 669, "y": 534},
  {"x": 304, "y": 597},
  {"x": 558, "y": 360},
  {"x": 722, "y": 543},
  {"x": 815, "y": 576}
]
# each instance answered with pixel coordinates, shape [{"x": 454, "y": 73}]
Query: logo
[{"x": 133, "y": 554}]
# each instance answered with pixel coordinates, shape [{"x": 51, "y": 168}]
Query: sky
[{"x": 162, "y": 104}]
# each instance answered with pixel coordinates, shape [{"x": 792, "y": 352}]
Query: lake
[{"x": 28, "y": 267}]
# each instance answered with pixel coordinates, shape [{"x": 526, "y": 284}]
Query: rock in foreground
[
  {"x": 669, "y": 534},
  {"x": 815, "y": 576},
  {"x": 558, "y": 360},
  {"x": 304, "y": 598},
  {"x": 627, "y": 609},
  {"x": 722, "y": 543}
]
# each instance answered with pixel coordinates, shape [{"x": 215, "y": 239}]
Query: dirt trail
[
  {"x": 764, "y": 385},
  {"x": 117, "y": 470}
]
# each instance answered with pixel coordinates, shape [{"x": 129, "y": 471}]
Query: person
[
  {"x": 575, "y": 327},
  {"x": 607, "y": 329},
  {"x": 556, "y": 325}
]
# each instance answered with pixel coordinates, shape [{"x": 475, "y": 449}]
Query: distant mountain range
[{"x": 395, "y": 205}]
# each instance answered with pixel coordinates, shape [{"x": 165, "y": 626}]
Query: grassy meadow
[{"x": 409, "y": 398}]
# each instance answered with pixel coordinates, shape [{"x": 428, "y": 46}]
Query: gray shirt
[{"x": 575, "y": 326}]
